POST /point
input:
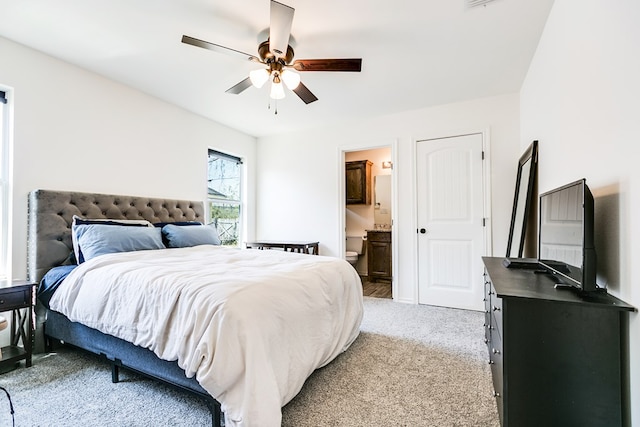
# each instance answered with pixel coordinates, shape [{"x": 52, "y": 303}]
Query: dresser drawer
[
  {"x": 496, "y": 313},
  {"x": 487, "y": 293},
  {"x": 379, "y": 236},
  {"x": 497, "y": 374},
  {"x": 488, "y": 318},
  {"x": 14, "y": 299},
  {"x": 495, "y": 360},
  {"x": 487, "y": 329}
]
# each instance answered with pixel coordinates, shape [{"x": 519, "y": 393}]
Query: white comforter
[{"x": 251, "y": 325}]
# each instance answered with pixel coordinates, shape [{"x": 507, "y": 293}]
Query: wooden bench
[{"x": 310, "y": 248}]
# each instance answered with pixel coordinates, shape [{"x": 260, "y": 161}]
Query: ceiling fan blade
[
  {"x": 280, "y": 28},
  {"x": 217, "y": 48},
  {"x": 305, "y": 94},
  {"x": 240, "y": 87},
  {"x": 353, "y": 64}
]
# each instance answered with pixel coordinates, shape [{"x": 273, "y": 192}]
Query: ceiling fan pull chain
[{"x": 275, "y": 102}]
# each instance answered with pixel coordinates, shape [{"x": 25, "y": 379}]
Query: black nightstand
[{"x": 18, "y": 297}]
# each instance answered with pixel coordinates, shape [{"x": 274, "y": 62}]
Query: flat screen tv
[{"x": 566, "y": 236}]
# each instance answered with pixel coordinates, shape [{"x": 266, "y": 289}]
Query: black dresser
[{"x": 558, "y": 358}]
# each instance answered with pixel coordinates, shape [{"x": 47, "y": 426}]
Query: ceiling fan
[{"x": 276, "y": 57}]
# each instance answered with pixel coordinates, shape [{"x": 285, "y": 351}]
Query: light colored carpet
[{"x": 410, "y": 366}]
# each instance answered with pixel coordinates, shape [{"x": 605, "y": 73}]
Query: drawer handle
[
  {"x": 496, "y": 308},
  {"x": 496, "y": 394},
  {"x": 495, "y": 351}
]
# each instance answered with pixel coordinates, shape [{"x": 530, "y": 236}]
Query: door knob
[{"x": 423, "y": 230}]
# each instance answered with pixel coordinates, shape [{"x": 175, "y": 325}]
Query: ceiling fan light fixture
[
  {"x": 291, "y": 79},
  {"x": 259, "y": 77},
  {"x": 276, "y": 54},
  {"x": 277, "y": 90}
]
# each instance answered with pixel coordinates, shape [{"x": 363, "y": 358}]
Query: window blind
[{"x": 215, "y": 153}]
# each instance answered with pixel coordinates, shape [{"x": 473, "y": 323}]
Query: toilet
[{"x": 355, "y": 246}]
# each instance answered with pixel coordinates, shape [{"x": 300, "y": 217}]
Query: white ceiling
[{"x": 415, "y": 53}]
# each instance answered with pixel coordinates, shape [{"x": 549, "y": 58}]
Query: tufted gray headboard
[{"x": 51, "y": 213}]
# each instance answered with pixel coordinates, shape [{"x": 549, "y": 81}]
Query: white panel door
[{"x": 450, "y": 221}]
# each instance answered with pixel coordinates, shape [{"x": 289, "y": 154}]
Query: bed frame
[{"x": 49, "y": 245}]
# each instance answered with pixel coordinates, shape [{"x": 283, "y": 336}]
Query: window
[
  {"x": 5, "y": 189},
  {"x": 224, "y": 196}
]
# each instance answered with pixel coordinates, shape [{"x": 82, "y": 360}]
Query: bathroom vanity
[{"x": 379, "y": 255}]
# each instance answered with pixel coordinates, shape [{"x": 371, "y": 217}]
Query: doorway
[
  {"x": 368, "y": 220},
  {"x": 451, "y": 221}
]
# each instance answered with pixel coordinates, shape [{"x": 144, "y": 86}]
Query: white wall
[
  {"x": 298, "y": 183},
  {"x": 77, "y": 131},
  {"x": 581, "y": 100}
]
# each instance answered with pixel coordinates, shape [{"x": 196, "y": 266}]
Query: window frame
[
  {"x": 212, "y": 199},
  {"x": 6, "y": 187}
]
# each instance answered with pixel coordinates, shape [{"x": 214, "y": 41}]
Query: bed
[{"x": 240, "y": 328}]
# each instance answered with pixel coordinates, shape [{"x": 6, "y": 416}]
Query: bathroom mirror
[
  {"x": 522, "y": 200},
  {"x": 382, "y": 200}
]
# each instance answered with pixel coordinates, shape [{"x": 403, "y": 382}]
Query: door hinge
[
  {"x": 484, "y": 222},
  {"x": 482, "y": 155}
]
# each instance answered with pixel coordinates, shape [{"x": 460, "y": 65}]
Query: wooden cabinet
[
  {"x": 358, "y": 182},
  {"x": 379, "y": 255},
  {"x": 556, "y": 356}
]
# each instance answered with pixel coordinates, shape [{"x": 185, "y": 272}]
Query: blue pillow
[
  {"x": 97, "y": 239},
  {"x": 182, "y": 237},
  {"x": 77, "y": 221},
  {"x": 180, "y": 223}
]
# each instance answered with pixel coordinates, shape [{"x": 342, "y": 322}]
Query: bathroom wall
[{"x": 359, "y": 218}]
